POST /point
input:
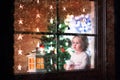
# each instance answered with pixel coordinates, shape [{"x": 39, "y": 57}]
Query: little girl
[{"x": 79, "y": 59}]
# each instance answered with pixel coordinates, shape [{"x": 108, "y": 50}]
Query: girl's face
[{"x": 76, "y": 44}]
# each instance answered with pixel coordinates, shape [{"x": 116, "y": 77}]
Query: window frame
[{"x": 100, "y": 58}]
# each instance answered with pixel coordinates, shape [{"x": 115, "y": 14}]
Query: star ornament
[
  {"x": 64, "y": 8},
  {"x": 51, "y": 7},
  {"x": 19, "y": 67},
  {"x": 37, "y": 30},
  {"x": 51, "y": 20},
  {"x": 37, "y": 15},
  {"x": 20, "y": 37},
  {"x": 20, "y": 21},
  {"x": 20, "y": 52},
  {"x": 51, "y": 48},
  {"x": 21, "y": 6}
]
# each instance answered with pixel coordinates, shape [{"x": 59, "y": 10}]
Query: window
[{"x": 44, "y": 30}]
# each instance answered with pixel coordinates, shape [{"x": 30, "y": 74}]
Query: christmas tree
[{"x": 55, "y": 47}]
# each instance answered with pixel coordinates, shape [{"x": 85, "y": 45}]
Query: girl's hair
[{"x": 84, "y": 41}]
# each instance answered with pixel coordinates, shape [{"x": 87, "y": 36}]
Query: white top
[{"x": 80, "y": 61}]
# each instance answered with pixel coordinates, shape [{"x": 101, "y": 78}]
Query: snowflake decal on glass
[{"x": 79, "y": 24}]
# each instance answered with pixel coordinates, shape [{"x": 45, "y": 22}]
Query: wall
[{"x": 110, "y": 40}]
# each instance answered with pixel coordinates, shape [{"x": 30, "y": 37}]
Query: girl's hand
[
  {"x": 68, "y": 67},
  {"x": 71, "y": 67},
  {"x": 65, "y": 66}
]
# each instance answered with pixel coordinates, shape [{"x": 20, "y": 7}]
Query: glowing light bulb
[
  {"x": 84, "y": 10},
  {"x": 19, "y": 67},
  {"x": 21, "y": 6},
  {"x": 37, "y": 15},
  {"x": 38, "y": 1},
  {"x": 20, "y": 52},
  {"x": 51, "y": 20},
  {"x": 20, "y": 37},
  {"x": 37, "y": 30},
  {"x": 64, "y": 8},
  {"x": 20, "y": 21},
  {"x": 51, "y": 7}
]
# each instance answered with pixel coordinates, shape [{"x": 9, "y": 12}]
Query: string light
[
  {"x": 38, "y": 1},
  {"x": 51, "y": 48},
  {"x": 37, "y": 30},
  {"x": 51, "y": 7},
  {"x": 20, "y": 52},
  {"x": 51, "y": 20},
  {"x": 21, "y": 6},
  {"x": 20, "y": 37},
  {"x": 84, "y": 10},
  {"x": 20, "y": 21},
  {"x": 19, "y": 67},
  {"x": 64, "y": 8},
  {"x": 37, "y": 15}
]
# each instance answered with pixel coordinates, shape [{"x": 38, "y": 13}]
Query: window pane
[
  {"x": 34, "y": 53},
  {"x": 66, "y": 50},
  {"x": 77, "y": 16}
]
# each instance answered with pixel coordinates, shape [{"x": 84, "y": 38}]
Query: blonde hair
[{"x": 84, "y": 41}]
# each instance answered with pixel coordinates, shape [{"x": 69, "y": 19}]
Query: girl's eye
[{"x": 75, "y": 43}]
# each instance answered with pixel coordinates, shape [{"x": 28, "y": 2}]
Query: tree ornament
[{"x": 62, "y": 50}]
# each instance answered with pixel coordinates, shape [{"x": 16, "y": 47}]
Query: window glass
[{"x": 49, "y": 34}]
